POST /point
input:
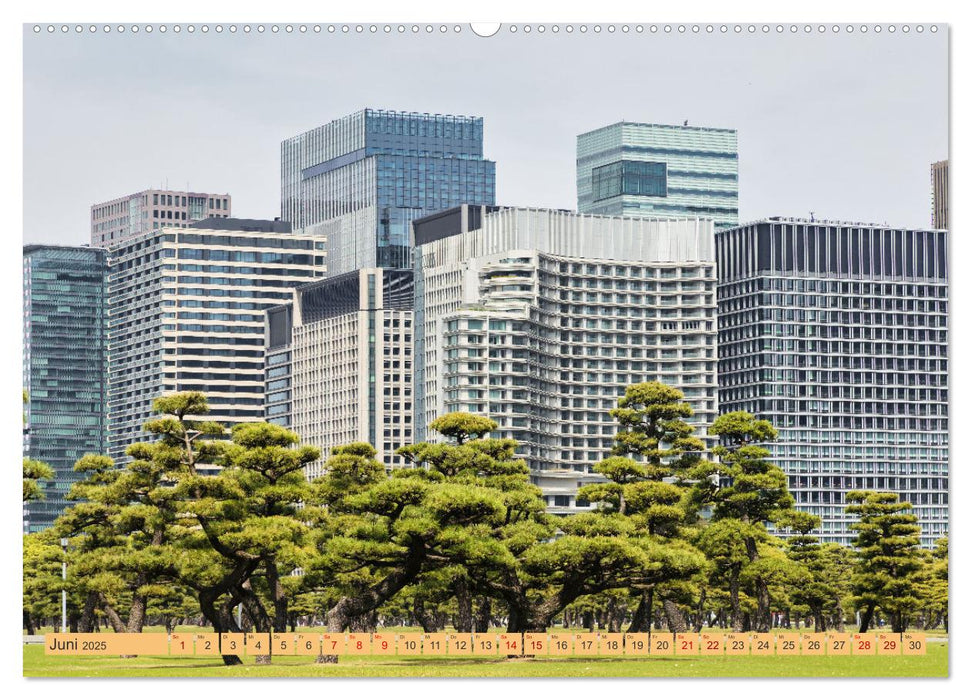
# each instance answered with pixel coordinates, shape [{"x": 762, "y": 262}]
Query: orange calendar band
[{"x": 545, "y": 644}]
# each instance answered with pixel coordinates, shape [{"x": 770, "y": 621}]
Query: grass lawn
[{"x": 934, "y": 664}]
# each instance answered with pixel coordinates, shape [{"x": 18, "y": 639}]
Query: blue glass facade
[
  {"x": 63, "y": 367},
  {"x": 630, "y": 169},
  {"x": 362, "y": 179}
]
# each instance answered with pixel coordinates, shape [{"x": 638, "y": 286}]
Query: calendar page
[{"x": 393, "y": 348}]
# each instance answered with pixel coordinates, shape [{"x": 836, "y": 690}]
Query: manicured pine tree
[
  {"x": 932, "y": 585},
  {"x": 749, "y": 490},
  {"x": 650, "y": 489},
  {"x": 42, "y": 582},
  {"x": 888, "y": 557}
]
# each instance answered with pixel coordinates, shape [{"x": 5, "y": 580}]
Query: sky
[{"x": 845, "y": 126}]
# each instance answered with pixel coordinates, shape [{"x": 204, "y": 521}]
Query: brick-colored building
[{"x": 119, "y": 219}]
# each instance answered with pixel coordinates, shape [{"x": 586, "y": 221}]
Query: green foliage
[
  {"x": 824, "y": 585},
  {"x": 35, "y": 471},
  {"x": 651, "y": 416},
  {"x": 120, "y": 535},
  {"x": 449, "y": 510},
  {"x": 745, "y": 489},
  {"x": 887, "y": 543},
  {"x": 460, "y": 426},
  {"x": 756, "y": 489},
  {"x": 42, "y": 583},
  {"x": 650, "y": 493},
  {"x": 191, "y": 523},
  {"x": 931, "y": 583}
]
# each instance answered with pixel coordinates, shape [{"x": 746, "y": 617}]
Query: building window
[{"x": 630, "y": 177}]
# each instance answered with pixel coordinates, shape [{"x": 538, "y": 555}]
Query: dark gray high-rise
[{"x": 837, "y": 333}]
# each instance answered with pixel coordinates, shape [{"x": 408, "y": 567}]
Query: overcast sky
[{"x": 845, "y": 125}]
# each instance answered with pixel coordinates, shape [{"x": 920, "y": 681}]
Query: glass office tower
[
  {"x": 63, "y": 367},
  {"x": 836, "y": 332},
  {"x": 658, "y": 170},
  {"x": 362, "y": 179}
]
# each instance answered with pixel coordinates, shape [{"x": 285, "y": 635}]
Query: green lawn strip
[{"x": 934, "y": 664}]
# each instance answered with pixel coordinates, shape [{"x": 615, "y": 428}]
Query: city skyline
[{"x": 828, "y": 127}]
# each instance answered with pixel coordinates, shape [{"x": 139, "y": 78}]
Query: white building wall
[
  {"x": 542, "y": 318},
  {"x": 176, "y": 323},
  {"x": 331, "y": 377}
]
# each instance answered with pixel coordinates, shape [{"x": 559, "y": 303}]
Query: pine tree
[
  {"x": 745, "y": 487},
  {"x": 651, "y": 491},
  {"x": 887, "y": 544}
]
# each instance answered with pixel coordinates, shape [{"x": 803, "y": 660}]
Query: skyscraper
[
  {"x": 63, "y": 366},
  {"x": 362, "y": 179},
  {"x": 658, "y": 170},
  {"x": 119, "y": 219},
  {"x": 540, "y": 319},
  {"x": 339, "y": 363},
  {"x": 836, "y": 332},
  {"x": 939, "y": 184},
  {"x": 186, "y": 314}
]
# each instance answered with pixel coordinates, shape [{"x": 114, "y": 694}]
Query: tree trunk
[
  {"x": 866, "y": 618},
  {"x": 136, "y": 614},
  {"x": 763, "y": 615},
  {"x": 278, "y": 594},
  {"x": 221, "y": 620},
  {"x": 368, "y": 622},
  {"x": 674, "y": 617},
  {"x": 587, "y": 620},
  {"x": 87, "y": 621},
  {"x": 700, "y": 617},
  {"x": 422, "y": 616},
  {"x": 483, "y": 615},
  {"x": 257, "y": 613},
  {"x": 733, "y": 587},
  {"x": 641, "y": 621},
  {"x": 898, "y": 622},
  {"x": 819, "y": 620},
  {"x": 514, "y": 622},
  {"x": 113, "y": 619},
  {"x": 463, "y": 599},
  {"x": 763, "y": 618},
  {"x": 29, "y": 623},
  {"x": 616, "y": 612},
  {"x": 347, "y": 607}
]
